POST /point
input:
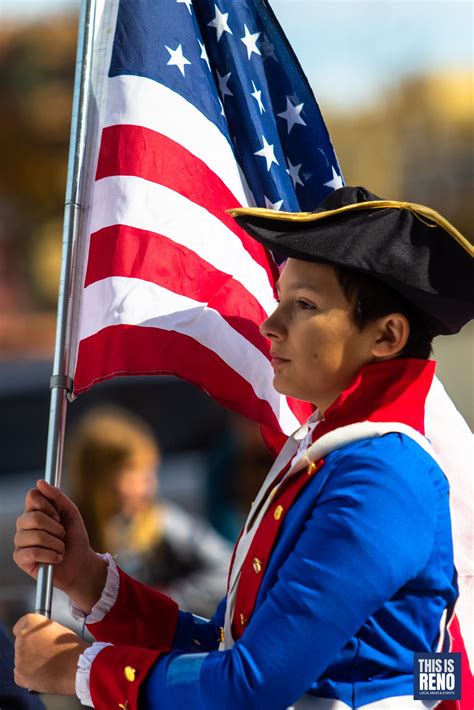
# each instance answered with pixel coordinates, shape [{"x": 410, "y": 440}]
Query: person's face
[
  {"x": 136, "y": 487},
  {"x": 316, "y": 348}
]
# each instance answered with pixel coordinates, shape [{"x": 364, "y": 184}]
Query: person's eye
[{"x": 305, "y": 305}]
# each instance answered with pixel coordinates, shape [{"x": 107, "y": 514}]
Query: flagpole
[{"x": 61, "y": 383}]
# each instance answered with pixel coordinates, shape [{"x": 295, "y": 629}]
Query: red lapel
[{"x": 259, "y": 552}]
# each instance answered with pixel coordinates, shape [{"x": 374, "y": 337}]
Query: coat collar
[
  {"x": 389, "y": 391},
  {"x": 384, "y": 397}
]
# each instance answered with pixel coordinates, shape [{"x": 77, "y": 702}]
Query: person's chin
[
  {"x": 283, "y": 385},
  {"x": 279, "y": 383}
]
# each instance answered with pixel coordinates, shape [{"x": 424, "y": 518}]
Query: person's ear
[{"x": 391, "y": 334}]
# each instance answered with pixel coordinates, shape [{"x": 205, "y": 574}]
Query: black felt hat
[{"x": 410, "y": 247}]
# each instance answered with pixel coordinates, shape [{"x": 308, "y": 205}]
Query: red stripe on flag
[
  {"x": 134, "y": 350},
  {"x": 121, "y": 250},
  {"x": 141, "y": 152}
]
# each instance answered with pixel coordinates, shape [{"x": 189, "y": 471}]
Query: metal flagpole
[{"x": 61, "y": 383}]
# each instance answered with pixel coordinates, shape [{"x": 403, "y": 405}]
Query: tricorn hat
[{"x": 410, "y": 247}]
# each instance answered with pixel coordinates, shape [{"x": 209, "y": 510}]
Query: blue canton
[{"x": 232, "y": 61}]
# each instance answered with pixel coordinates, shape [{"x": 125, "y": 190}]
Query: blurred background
[{"x": 394, "y": 81}]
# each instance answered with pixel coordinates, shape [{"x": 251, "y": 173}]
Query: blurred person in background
[{"x": 112, "y": 461}]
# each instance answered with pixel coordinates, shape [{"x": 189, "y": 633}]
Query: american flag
[
  {"x": 197, "y": 107},
  {"x": 202, "y": 107}
]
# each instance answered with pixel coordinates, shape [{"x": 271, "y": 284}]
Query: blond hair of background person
[{"x": 112, "y": 469}]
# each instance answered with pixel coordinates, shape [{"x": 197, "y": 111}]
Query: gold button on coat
[
  {"x": 311, "y": 468},
  {"x": 243, "y": 620},
  {"x": 278, "y": 512},
  {"x": 257, "y": 565},
  {"x": 129, "y": 673}
]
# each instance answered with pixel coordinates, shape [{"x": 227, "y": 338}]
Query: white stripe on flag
[
  {"x": 145, "y": 205},
  {"x": 120, "y": 300},
  {"x": 140, "y": 101}
]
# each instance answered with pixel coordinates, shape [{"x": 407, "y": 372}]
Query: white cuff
[
  {"x": 83, "y": 672},
  {"x": 108, "y": 597}
]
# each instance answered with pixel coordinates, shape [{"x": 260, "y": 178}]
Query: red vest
[{"x": 261, "y": 548}]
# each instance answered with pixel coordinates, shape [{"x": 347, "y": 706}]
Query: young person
[{"x": 345, "y": 567}]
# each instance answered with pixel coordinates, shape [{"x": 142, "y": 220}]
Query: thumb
[
  {"x": 30, "y": 622},
  {"x": 20, "y": 625}
]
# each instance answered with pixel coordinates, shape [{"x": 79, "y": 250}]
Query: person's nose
[{"x": 273, "y": 327}]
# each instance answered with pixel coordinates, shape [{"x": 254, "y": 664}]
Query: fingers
[
  {"x": 28, "y": 558},
  {"x": 27, "y": 650},
  {"x": 46, "y": 655},
  {"x": 35, "y": 500},
  {"x": 37, "y": 520},
  {"x": 38, "y": 538},
  {"x": 57, "y": 499}
]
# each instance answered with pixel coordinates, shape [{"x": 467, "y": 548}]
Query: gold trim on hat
[{"x": 431, "y": 215}]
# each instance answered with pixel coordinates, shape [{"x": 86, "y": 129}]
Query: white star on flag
[
  {"x": 336, "y": 181},
  {"x": 188, "y": 4},
  {"x": 258, "y": 97},
  {"x": 292, "y": 114},
  {"x": 177, "y": 58},
  {"x": 220, "y": 23},
  {"x": 223, "y": 88},
  {"x": 250, "y": 41},
  {"x": 204, "y": 54},
  {"x": 273, "y": 205},
  {"x": 268, "y": 49},
  {"x": 267, "y": 152},
  {"x": 293, "y": 172}
]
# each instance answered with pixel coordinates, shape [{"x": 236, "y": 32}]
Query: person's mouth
[{"x": 277, "y": 359}]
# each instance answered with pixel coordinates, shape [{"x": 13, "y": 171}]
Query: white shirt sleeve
[
  {"x": 107, "y": 599},
  {"x": 97, "y": 613},
  {"x": 83, "y": 672}
]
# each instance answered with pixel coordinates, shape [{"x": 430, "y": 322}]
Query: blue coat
[{"x": 360, "y": 578}]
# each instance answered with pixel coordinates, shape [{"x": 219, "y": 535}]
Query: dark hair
[{"x": 373, "y": 299}]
